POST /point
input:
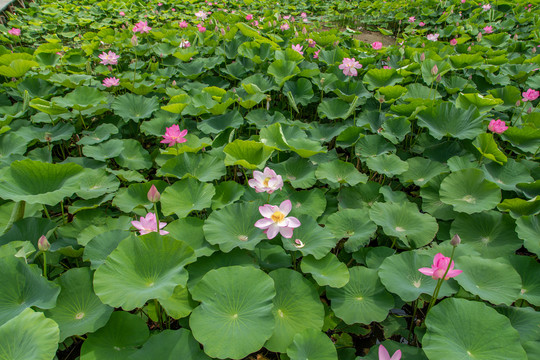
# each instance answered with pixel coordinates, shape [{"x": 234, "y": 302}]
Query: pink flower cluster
[
  {"x": 497, "y": 126},
  {"x": 349, "y": 66},
  {"x": 15, "y": 32},
  {"x": 530, "y": 95},
  {"x": 142, "y": 27}
]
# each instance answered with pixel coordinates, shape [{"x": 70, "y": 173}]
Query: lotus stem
[
  {"x": 45, "y": 264},
  {"x": 63, "y": 214},
  {"x": 46, "y": 212},
  {"x": 158, "y": 313},
  {"x": 16, "y": 214},
  {"x": 157, "y": 217}
]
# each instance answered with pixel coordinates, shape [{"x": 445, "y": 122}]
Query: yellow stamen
[
  {"x": 266, "y": 180},
  {"x": 277, "y": 216}
]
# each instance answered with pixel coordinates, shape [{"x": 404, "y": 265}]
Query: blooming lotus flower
[
  {"x": 377, "y": 45},
  {"x": 530, "y": 95},
  {"x": 303, "y": 15},
  {"x": 486, "y": 7},
  {"x": 266, "y": 181},
  {"x": 284, "y": 27},
  {"x": 412, "y": 19},
  {"x": 201, "y": 15},
  {"x": 488, "y": 29},
  {"x": 349, "y": 66},
  {"x": 201, "y": 28},
  {"x": 298, "y": 48},
  {"x": 148, "y": 224},
  {"x": 183, "y": 24},
  {"x": 112, "y": 81},
  {"x": 276, "y": 221},
  {"x": 142, "y": 27},
  {"x": 497, "y": 126},
  {"x": 159, "y": 4},
  {"x": 173, "y": 136},
  {"x": 15, "y": 32},
  {"x": 437, "y": 270},
  {"x": 311, "y": 42},
  {"x": 249, "y": 17},
  {"x": 432, "y": 37},
  {"x": 384, "y": 355},
  {"x": 109, "y": 58},
  {"x": 453, "y": 42},
  {"x": 386, "y": 67},
  {"x": 316, "y": 54},
  {"x": 421, "y": 23},
  {"x": 184, "y": 44},
  {"x": 121, "y": 13}
]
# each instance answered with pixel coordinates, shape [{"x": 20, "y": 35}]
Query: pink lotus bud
[
  {"x": 456, "y": 240},
  {"x": 434, "y": 70},
  {"x": 518, "y": 103},
  {"x": 153, "y": 194},
  {"x": 439, "y": 78},
  {"x": 533, "y": 50},
  {"x": 422, "y": 56},
  {"x": 174, "y": 83},
  {"x": 43, "y": 244}
]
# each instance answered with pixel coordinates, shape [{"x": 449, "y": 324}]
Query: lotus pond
[{"x": 258, "y": 180}]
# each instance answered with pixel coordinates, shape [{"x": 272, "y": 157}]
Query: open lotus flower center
[
  {"x": 278, "y": 216},
  {"x": 266, "y": 180}
]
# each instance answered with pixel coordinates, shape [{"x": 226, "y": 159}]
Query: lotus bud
[
  {"x": 153, "y": 194},
  {"x": 533, "y": 50},
  {"x": 479, "y": 36},
  {"x": 529, "y": 110},
  {"x": 422, "y": 56},
  {"x": 304, "y": 30},
  {"x": 439, "y": 78},
  {"x": 518, "y": 103},
  {"x": 134, "y": 40},
  {"x": 216, "y": 28},
  {"x": 423, "y": 45},
  {"x": 268, "y": 99},
  {"x": 48, "y": 137},
  {"x": 174, "y": 83},
  {"x": 43, "y": 244},
  {"x": 515, "y": 37},
  {"x": 223, "y": 32},
  {"x": 469, "y": 49},
  {"x": 434, "y": 70},
  {"x": 296, "y": 33},
  {"x": 456, "y": 240}
]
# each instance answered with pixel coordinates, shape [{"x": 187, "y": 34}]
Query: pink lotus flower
[
  {"x": 303, "y": 15},
  {"x": 285, "y": 27},
  {"x": 201, "y": 28},
  {"x": 463, "y": 1},
  {"x": 412, "y": 19},
  {"x": 316, "y": 54},
  {"x": 437, "y": 270},
  {"x": 421, "y": 23},
  {"x": 173, "y": 136},
  {"x": 275, "y": 220},
  {"x": 201, "y": 15},
  {"x": 112, "y": 81},
  {"x": 497, "y": 126},
  {"x": 530, "y": 95},
  {"x": 377, "y": 45},
  {"x": 349, "y": 66},
  {"x": 109, "y": 58},
  {"x": 386, "y": 67},
  {"x": 432, "y": 37},
  {"x": 298, "y": 48},
  {"x": 266, "y": 181},
  {"x": 488, "y": 29},
  {"x": 453, "y": 42},
  {"x": 159, "y": 4},
  {"x": 142, "y": 27},
  {"x": 311, "y": 42},
  {"x": 15, "y": 32},
  {"x": 183, "y": 24},
  {"x": 249, "y": 17},
  {"x": 148, "y": 224},
  {"x": 384, "y": 355},
  {"x": 184, "y": 44},
  {"x": 121, "y": 13},
  {"x": 486, "y": 7}
]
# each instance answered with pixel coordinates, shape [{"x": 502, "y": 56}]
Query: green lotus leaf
[
  {"x": 336, "y": 108},
  {"x": 38, "y": 182},
  {"x": 298, "y": 171},
  {"x": 177, "y": 104},
  {"x": 487, "y": 147},
  {"x": 431, "y": 201},
  {"x": 203, "y": 167},
  {"x": 467, "y": 191},
  {"x": 326, "y": 271},
  {"x": 258, "y": 83},
  {"x": 527, "y": 228},
  {"x": 179, "y": 304},
  {"x": 136, "y": 196},
  {"x": 82, "y": 98},
  {"x": 101, "y": 246},
  {"x": 283, "y": 70},
  {"x": 464, "y": 124},
  {"x": 391, "y": 93},
  {"x": 23, "y": 287},
  {"x": 296, "y": 307},
  {"x": 193, "y": 144},
  {"x": 99, "y": 134},
  {"x": 525, "y": 321},
  {"x": 396, "y": 128},
  {"x": 377, "y": 78},
  {"x": 491, "y": 233},
  {"x": 421, "y": 170},
  {"x": 47, "y": 133},
  {"x": 299, "y": 92},
  {"x": 404, "y": 221},
  {"x": 290, "y": 138},
  {"x": 312, "y": 344},
  {"x": 134, "y": 107},
  {"x": 529, "y": 270},
  {"x": 190, "y": 231},
  {"x": 216, "y": 124},
  {"x": 29, "y": 336},
  {"x": 465, "y": 60},
  {"x": 419, "y": 91},
  {"x": 304, "y": 202},
  {"x": 142, "y": 268},
  {"x": 233, "y": 226},
  {"x": 399, "y": 275},
  {"x": 133, "y": 156},
  {"x": 318, "y": 241},
  {"x": 481, "y": 102},
  {"x": 247, "y": 153},
  {"x": 348, "y": 90},
  {"x": 492, "y": 280},
  {"x": 186, "y": 195},
  {"x": 28, "y": 229},
  {"x": 427, "y": 67},
  {"x": 520, "y": 207},
  {"x": 235, "y": 316},
  {"x": 17, "y": 68},
  {"x": 509, "y": 175},
  {"x": 509, "y": 94},
  {"x": 462, "y": 329},
  {"x": 119, "y": 339},
  {"x": 12, "y": 143},
  {"x": 78, "y": 310},
  {"x": 354, "y": 225},
  {"x": 387, "y": 164},
  {"x": 227, "y": 192},
  {"x": 105, "y": 150},
  {"x": 359, "y": 196},
  {"x": 373, "y": 145},
  {"x": 170, "y": 344},
  {"x": 530, "y": 190},
  {"x": 526, "y": 139},
  {"x": 255, "y": 51},
  {"x": 336, "y": 173},
  {"x": 95, "y": 183},
  {"x": 159, "y": 123}
]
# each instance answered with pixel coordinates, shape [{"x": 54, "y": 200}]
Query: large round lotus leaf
[
  {"x": 525, "y": 138},
  {"x": 95, "y": 183},
  {"x": 101, "y": 246},
  {"x": 202, "y": 167},
  {"x": 492, "y": 280},
  {"x": 134, "y": 107},
  {"x": 227, "y": 192},
  {"x": 431, "y": 200},
  {"x": 445, "y": 119},
  {"x": 313, "y": 345},
  {"x": 404, "y": 221},
  {"x": 186, "y": 195},
  {"x": 23, "y": 286},
  {"x": 422, "y": 170},
  {"x": 99, "y": 134},
  {"x": 133, "y": 156},
  {"x": 336, "y": 108},
  {"x": 360, "y": 196},
  {"x": 528, "y": 228},
  {"x": 387, "y": 164},
  {"x": 336, "y": 173},
  {"x": 136, "y": 195},
  {"x": 296, "y": 307},
  {"x": 29, "y": 229},
  {"x": 235, "y": 316},
  {"x": 363, "y": 300},
  {"x": 520, "y": 207},
  {"x": 29, "y": 336},
  {"x": 283, "y": 70},
  {"x": 38, "y": 182},
  {"x": 247, "y": 153},
  {"x": 298, "y": 171},
  {"x": 105, "y": 150},
  {"x": 467, "y": 191},
  {"x": 12, "y": 143},
  {"x": 190, "y": 231},
  {"x": 82, "y": 98},
  {"x": 376, "y": 78},
  {"x": 219, "y": 123},
  {"x": 491, "y": 233},
  {"x": 399, "y": 274},
  {"x": 407, "y": 351},
  {"x": 142, "y": 268},
  {"x": 304, "y": 202},
  {"x": 469, "y": 330},
  {"x": 326, "y": 271},
  {"x": 78, "y": 310},
  {"x": 318, "y": 241},
  {"x": 352, "y": 224},
  {"x": 180, "y": 304},
  {"x": 234, "y": 226},
  {"x": 373, "y": 145},
  {"x": 529, "y": 270},
  {"x": 120, "y": 338},
  {"x": 525, "y": 320},
  {"x": 170, "y": 345}
]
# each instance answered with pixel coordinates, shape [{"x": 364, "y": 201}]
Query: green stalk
[
  {"x": 46, "y": 212},
  {"x": 45, "y": 264},
  {"x": 63, "y": 214},
  {"x": 157, "y": 217},
  {"x": 158, "y": 313}
]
